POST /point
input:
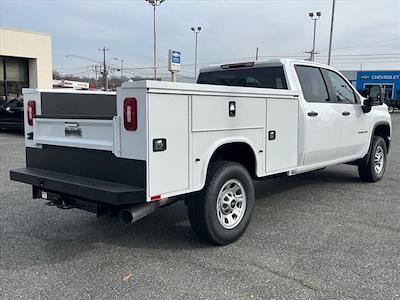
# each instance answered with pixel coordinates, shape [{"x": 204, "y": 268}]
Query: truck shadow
[
  {"x": 330, "y": 176},
  {"x": 62, "y": 235}
]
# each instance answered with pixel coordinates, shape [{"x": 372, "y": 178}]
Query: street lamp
[
  {"x": 121, "y": 69},
  {"x": 314, "y": 18},
  {"x": 154, "y": 3},
  {"x": 196, "y": 32},
  {"x": 331, "y": 33}
]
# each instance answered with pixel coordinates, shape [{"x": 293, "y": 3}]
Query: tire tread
[{"x": 196, "y": 208}]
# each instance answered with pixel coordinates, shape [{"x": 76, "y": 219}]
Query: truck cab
[{"x": 333, "y": 125}]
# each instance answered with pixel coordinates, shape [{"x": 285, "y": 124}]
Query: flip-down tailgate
[{"x": 93, "y": 133}]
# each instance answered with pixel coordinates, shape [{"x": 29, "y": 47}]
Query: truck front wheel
[
  {"x": 372, "y": 170},
  {"x": 221, "y": 212}
]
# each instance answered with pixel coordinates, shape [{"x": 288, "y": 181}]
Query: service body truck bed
[{"x": 137, "y": 150}]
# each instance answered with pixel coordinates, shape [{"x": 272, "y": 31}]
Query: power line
[{"x": 365, "y": 44}]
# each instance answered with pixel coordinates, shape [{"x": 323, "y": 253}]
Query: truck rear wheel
[
  {"x": 372, "y": 170},
  {"x": 221, "y": 212}
]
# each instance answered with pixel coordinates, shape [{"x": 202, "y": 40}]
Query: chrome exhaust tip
[{"x": 130, "y": 215}]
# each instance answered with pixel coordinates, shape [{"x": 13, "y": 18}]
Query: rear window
[{"x": 267, "y": 77}]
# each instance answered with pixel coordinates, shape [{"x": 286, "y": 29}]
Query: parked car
[
  {"x": 156, "y": 142},
  {"x": 394, "y": 103},
  {"x": 12, "y": 114}
]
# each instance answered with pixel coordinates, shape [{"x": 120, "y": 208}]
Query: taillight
[
  {"x": 130, "y": 114},
  {"x": 31, "y": 111}
]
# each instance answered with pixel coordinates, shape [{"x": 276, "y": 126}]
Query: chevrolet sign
[{"x": 385, "y": 77}]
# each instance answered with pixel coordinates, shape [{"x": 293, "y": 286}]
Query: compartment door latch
[{"x": 232, "y": 109}]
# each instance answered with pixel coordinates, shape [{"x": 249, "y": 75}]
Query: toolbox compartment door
[
  {"x": 168, "y": 119},
  {"x": 281, "y": 134}
]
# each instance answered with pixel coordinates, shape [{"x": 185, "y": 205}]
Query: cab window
[
  {"x": 312, "y": 84},
  {"x": 343, "y": 91},
  {"x": 260, "y": 77}
]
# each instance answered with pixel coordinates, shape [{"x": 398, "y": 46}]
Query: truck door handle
[
  {"x": 312, "y": 114},
  {"x": 345, "y": 113}
]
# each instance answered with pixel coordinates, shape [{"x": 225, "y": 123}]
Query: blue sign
[
  {"x": 176, "y": 57},
  {"x": 388, "y": 80},
  {"x": 174, "y": 60}
]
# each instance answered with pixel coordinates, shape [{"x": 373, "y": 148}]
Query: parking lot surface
[{"x": 321, "y": 235}]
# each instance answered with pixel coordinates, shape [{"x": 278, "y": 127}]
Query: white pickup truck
[{"x": 156, "y": 142}]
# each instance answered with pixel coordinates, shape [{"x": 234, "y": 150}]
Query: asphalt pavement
[{"x": 321, "y": 235}]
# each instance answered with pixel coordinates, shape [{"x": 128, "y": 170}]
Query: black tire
[
  {"x": 366, "y": 168},
  {"x": 202, "y": 207}
]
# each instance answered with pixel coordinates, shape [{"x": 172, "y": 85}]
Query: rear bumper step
[{"x": 93, "y": 190}]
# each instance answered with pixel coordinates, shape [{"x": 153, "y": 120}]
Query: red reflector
[
  {"x": 130, "y": 114},
  {"x": 31, "y": 111},
  {"x": 156, "y": 197}
]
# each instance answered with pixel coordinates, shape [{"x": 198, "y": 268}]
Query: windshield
[
  {"x": 266, "y": 77},
  {"x": 14, "y": 103}
]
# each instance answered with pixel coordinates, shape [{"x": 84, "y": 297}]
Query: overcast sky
[{"x": 231, "y": 30}]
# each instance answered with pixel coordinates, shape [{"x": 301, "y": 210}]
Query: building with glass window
[
  {"x": 25, "y": 61},
  {"x": 388, "y": 80}
]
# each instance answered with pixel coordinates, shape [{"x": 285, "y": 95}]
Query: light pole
[
  {"x": 331, "y": 34},
  {"x": 121, "y": 69},
  {"x": 314, "y": 18},
  {"x": 196, "y": 32},
  {"x": 154, "y": 3}
]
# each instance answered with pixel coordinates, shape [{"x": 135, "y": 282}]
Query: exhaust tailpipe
[{"x": 131, "y": 214}]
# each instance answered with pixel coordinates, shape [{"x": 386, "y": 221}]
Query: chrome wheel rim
[
  {"x": 379, "y": 159},
  {"x": 231, "y": 204}
]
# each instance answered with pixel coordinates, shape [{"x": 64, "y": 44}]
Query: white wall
[{"x": 32, "y": 45}]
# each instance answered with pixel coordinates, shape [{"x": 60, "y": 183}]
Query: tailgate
[
  {"x": 99, "y": 134},
  {"x": 78, "y": 119}
]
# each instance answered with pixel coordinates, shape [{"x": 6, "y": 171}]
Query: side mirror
[
  {"x": 375, "y": 95},
  {"x": 375, "y": 92},
  {"x": 367, "y": 106},
  {"x": 364, "y": 93}
]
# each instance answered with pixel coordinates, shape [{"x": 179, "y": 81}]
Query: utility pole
[
  {"x": 121, "y": 69},
  {"x": 331, "y": 34},
  {"x": 314, "y": 18},
  {"x": 196, "y": 32},
  {"x": 154, "y": 3},
  {"x": 257, "y": 53},
  {"x": 97, "y": 80},
  {"x": 105, "y": 71}
]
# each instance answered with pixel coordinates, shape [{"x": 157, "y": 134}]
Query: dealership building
[
  {"x": 388, "y": 80},
  {"x": 25, "y": 61}
]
